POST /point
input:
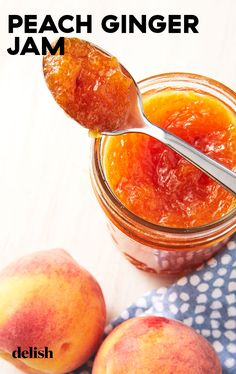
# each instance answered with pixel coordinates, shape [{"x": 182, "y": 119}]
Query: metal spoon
[{"x": 137, "y": 122}]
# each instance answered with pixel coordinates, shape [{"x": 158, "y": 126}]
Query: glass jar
[{"x": 155, "y": 248}]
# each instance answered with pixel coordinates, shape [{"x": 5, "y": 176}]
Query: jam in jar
[{"x": 166, "y": 215}]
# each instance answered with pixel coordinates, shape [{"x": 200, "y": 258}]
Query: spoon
[
  {"x": 137, "y": 122},
  {"x": 59, "y": 69}
]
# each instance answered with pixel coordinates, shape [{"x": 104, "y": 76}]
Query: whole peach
[
  {"x": 48, "y": 300},
  {"x": 155, "y": 345}
]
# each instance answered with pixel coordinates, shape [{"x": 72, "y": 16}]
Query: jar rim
[
  {"x": 202, "y": 79},
  {"x": 117, "y": 205}
]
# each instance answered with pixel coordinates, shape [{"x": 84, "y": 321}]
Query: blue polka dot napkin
[{"x": 204, "y": 300}]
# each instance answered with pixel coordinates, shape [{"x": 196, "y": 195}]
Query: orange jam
[
  {"x": 89, "y": 85},
  {"x": 156, "y": 183}
]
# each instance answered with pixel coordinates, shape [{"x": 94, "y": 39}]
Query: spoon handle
[{"x": 214, "y": 169}]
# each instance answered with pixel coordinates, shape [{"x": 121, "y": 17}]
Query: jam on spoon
[{"x": 89, "y": 85}]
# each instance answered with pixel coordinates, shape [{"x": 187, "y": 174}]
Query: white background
[{"x": 46, "y": 199}]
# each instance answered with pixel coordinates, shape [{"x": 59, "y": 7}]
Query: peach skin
[
  {"x": 48, "y": 300},
  {"x": 155, "y": 345}
]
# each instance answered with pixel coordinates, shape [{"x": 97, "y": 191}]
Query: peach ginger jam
[
  {"x": 89, "y": 85},
  {"x": 157, "y": 184}
]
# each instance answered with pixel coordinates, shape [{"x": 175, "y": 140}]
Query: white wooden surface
[{"x": 46, "y": 199}]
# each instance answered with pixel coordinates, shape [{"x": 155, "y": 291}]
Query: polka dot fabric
[{"x": 204, "y": 300}]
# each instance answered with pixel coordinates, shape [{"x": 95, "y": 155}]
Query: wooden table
[{"x": 46, "y": 197}]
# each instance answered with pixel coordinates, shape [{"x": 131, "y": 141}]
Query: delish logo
[{"x": 32, "y": 352}]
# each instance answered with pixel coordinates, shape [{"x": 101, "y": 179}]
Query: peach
[
  {"x": 155, "y": 345},
  {"x": 48, "y": 300}
]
